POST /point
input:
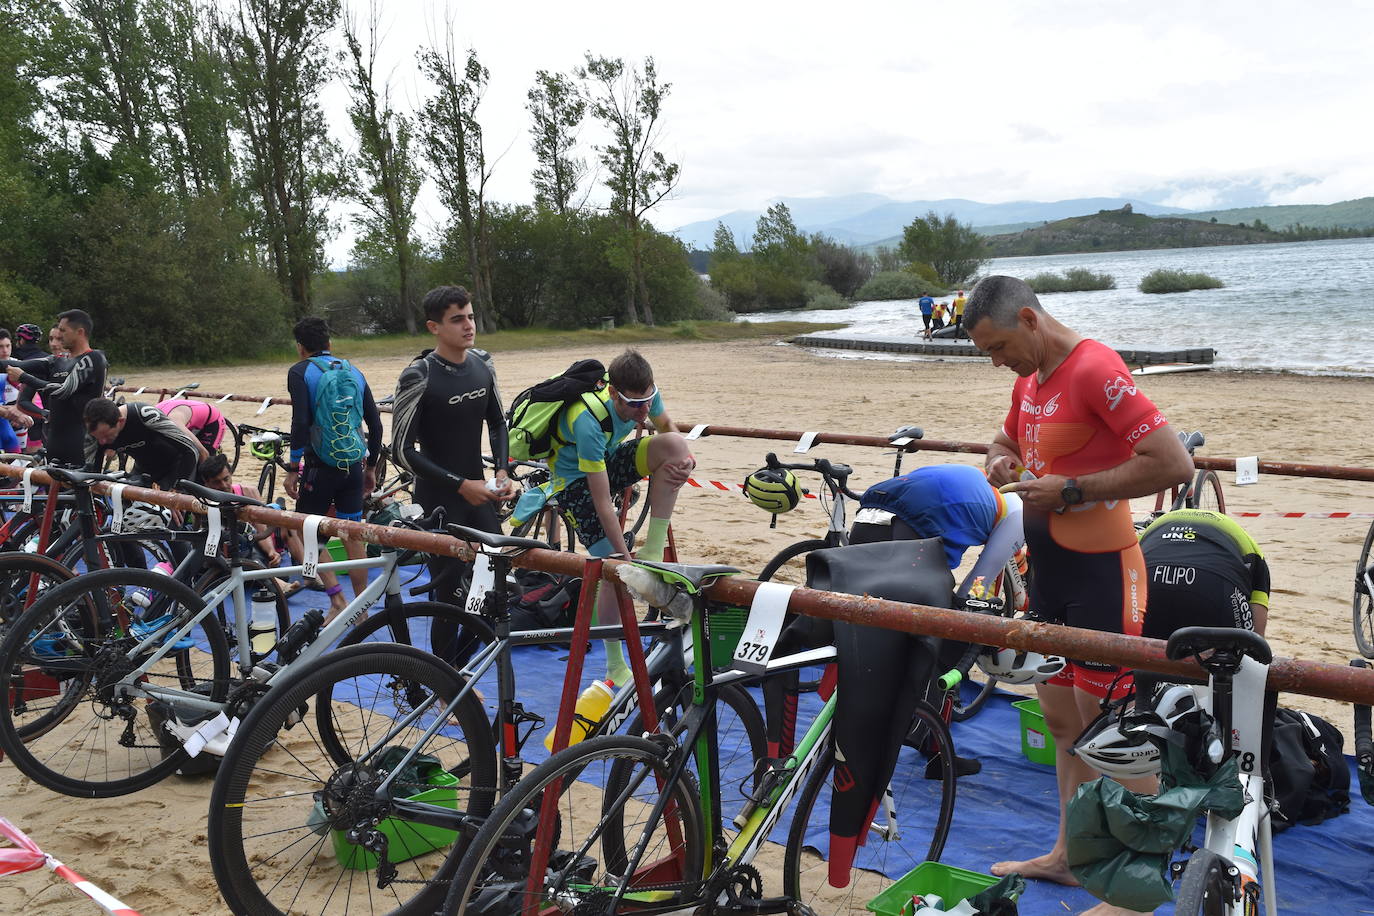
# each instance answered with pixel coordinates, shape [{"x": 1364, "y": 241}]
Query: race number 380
[{"x": 763, "y": 627}]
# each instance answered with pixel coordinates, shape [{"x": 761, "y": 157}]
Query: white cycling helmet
[
  {"x": 1127, "y": 746},
  {"x": 142, "y": 516},
  {"x": 1016, "y": 666}
]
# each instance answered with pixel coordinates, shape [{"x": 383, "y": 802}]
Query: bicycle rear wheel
[
  {"x": 1204, "y": 889},
  {"x": 585, "y": 871},
  {"x": 283, "y": 807},
  {"x": 1364, "y": 600},
  {"x": 109, "y": 743},
  {"x": 922, "y": 791}
]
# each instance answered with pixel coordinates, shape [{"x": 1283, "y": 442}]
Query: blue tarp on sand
[{"x": 1010, "y": 809}]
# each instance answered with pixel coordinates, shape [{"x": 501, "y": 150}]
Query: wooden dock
[{"x": 1135, "y": 358}]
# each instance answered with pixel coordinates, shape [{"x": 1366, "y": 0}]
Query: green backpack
[{"x": 532, "y": 421}]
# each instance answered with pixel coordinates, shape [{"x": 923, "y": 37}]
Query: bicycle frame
[
  {"x": 168, "y": 634},
  {"x": 1247, "y": 840}
]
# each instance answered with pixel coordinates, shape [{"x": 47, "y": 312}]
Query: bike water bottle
[
  {"x": 262, "y": 626},
  {"x": 144, "y": 596},
  {"x": 591, "y": 707}
]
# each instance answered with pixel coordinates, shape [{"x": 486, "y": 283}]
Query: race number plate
[
  {"x": 483, "y": 581},
  {"x": 762, "y": 629}
]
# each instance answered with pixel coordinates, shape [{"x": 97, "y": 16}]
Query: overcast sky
[{"x": 1195, "y": 105}]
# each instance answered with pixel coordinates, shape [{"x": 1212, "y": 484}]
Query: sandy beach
[{"x": 763, "y": 384}]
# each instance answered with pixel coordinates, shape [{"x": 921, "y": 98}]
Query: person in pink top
[{"x": 204, "y": 420}]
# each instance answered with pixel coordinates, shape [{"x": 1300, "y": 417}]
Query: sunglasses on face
[{"x": 636, "y": 403}]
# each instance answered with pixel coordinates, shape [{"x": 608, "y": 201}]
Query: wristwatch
[{"x": 1071, "y": 494}]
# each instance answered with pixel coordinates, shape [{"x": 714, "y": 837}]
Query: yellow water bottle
[{"x": 591, "y": 707}]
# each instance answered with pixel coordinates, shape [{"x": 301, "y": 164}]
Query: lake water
[{"x": 1304, "y": 307}]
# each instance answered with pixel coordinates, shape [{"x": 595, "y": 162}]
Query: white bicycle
[{"x": 1233, "y": 870}]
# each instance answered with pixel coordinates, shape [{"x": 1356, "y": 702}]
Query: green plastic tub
[
  {"x": 406, "y": 839},
  {"x": 951, "y": 884},
  {"x": 727, "y": 625},
  {"x": 337, "y": 552},
  {"x": 1036, "y": 741}
]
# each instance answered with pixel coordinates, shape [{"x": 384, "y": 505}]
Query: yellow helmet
[{"x": 773, "y": 490}]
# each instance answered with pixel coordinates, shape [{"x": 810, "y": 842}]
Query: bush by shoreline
[
  {"x": 1177, "y": 281},
  {"x": 1073, "y": 280}
]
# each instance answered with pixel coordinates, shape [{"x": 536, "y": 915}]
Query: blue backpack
[{"x": 338, "y": 413}]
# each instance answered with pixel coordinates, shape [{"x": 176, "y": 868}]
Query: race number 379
[{"x": 762, "y": 629}]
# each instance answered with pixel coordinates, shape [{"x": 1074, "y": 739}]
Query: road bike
[
  {"x": 627, "y": 824},
  {"x": 789, "y": 564},
  {"x": 387, "y": 843},
  {"x": 120, "y": 639},
  {"x": 1203, "y": 492},
  {"x": 1233, "y": 870}
]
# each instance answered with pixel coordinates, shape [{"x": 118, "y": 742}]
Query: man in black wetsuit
[
  {"x": 162, "y": 448},
  {"x": 67, "y": 384},
  {"x": 442, "y": 399}
]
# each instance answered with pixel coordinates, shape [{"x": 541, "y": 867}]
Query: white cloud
[{"x": 993, "y": 101}]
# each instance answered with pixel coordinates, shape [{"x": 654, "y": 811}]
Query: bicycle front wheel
[
  {"x": 789, "y": 566},
  {"x": 585, "y": 872},
  {"x": 1205, "y": 888},
  {"x": 910, "y": 826},
  {"x": 24, "y": 578},
  {"x": 295, "y": 828},
  {"x": 114, "y": 741},
  {"x": 1206, "y": 492},
  {"x": 1364, "y": 600}
]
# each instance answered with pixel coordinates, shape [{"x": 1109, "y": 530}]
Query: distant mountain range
[
  {"x": 862, "y": 219},
  {"x": 871, "y": 220}
]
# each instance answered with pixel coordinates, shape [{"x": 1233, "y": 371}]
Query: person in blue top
[
  {"x": 927, "y": 305},
  {"x": 315, "y": 484},
  {"x": 596, "y": 456}
]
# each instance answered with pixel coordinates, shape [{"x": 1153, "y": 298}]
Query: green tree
[
  {"x": 951, "y": 247},
  {"x": 453, "y": 145},
  {"x": 279, "y": 63},
  {"x": 556, "y": 109},
  {"x": 389, "y": 177},
  {"x": 629, "y": 103}
]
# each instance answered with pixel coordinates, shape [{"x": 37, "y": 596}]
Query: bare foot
[
  {"x": 1106, "y": 909},
  {"x": 1044, "y": 868}
]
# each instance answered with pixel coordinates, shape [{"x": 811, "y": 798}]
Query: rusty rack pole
[
  {"x": 1319, "y": 679},
  {"x": 164, "y": 393},
  {"x": 1284, "y": 468}
]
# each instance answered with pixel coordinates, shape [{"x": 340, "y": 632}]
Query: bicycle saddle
[
  {"x": 496, "y": 541},
  {"x": 81, "y": 478},
  {"x": 1189, "y": 641},
  {"x": 695, "y": 575},
  {"x": 218, "y": 497}
]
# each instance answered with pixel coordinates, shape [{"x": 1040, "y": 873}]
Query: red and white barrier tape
[
  {"x": 727, "y": 487},
  {"x": 1301, "y": 514},
  {"x": 26, "y": 856}
]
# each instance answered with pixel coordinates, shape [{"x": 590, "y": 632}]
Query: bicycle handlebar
[
  {"x": 835, "y": 474},
  {"x": 992, "y": 607},
  {"x": 1193, "y": 440}
]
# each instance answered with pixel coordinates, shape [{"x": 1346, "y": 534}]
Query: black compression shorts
[
  {"x": 1093, "y": 591},
  {"x": 322, "y": 487}
]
